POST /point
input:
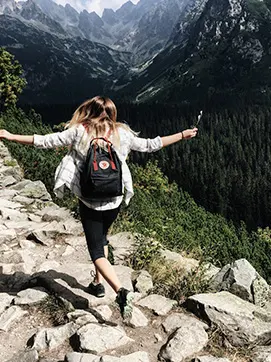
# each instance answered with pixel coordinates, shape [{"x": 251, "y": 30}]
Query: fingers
[
  {"x": 194, "y": 132},
  {"x": 190, "y": 133},
  {"x": 4, "y": 134}
]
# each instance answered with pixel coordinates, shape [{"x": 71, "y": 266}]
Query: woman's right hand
[
  {"x": 4, "y": 134},
  {"x": 189, "y": 133}
]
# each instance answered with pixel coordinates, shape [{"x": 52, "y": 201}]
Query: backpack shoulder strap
[{"x": 101, "y": 138}]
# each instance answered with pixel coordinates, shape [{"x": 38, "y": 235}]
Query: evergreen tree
[{"x": 11, "y": 80}]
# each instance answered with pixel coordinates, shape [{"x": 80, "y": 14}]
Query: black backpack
[{"x": 101, "y": 177}]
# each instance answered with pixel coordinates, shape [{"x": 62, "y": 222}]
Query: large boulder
[
  {"x": 188, "y": 339},
  {"x": 242, "y": 323},
  {"x": 241, "y": 278}
]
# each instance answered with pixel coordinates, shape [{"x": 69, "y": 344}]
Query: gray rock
[
  {"x": 241, "y": 322},
  {"x": 54, "y": 229},
  {"x": 22, "y": 226},
  {"x": 22, "y": 199},
  {"x": 260, "y": 291},
  {"x": 28, "y": 261},
  {"x": 177, "y": 320},
  {"x": 241, "y": 278},
  {"x": 20, "y": 260},
  {"x": 55, "y": 214},
  {"x": 25, "y": 356},
  {"x": 5, "y": 301},
  {"x": 142, "y": 282},
  {"x": 7, "y": 204},
  {"x": 40, "y": 237},
  {"x": 11, "y": 257},
  {"x": 82, "y": 357},
  {"x": 75, "y": 241},
  {"x": 262, "y": 354},
  {"x": 4, "y": 247},
  {"x": 100, "y": 338},
  {"x": 123, "y": 244},
  {"x": 27, "y": 244},
  {"x": 210, "y": 271},
  {"x": 157, "y": 303},
  {"x": 73, "y": 227},
  {"x": 133, "y": 357},
  {"x": 30, "y": 296},
  {"x": 9, "y": 316},
  {"x": 158, "y": 337},
  {"x": 13, "y": 170},
  {"x": 8, "y": 194},
  {"x": 68, "y": 251},
  {"x": 104, "y": 311},
  {"x": 21, "y": 185},
  {"x": 33, "y": 217},
  {"x": 138, "y": 319},
  {"x": 7, "y": 181},
  {"x": 15, "y": 267},
  {"x": 187, "y": 340},
  {"x": 49, "y": 338},
  {"x": 32, "y": 189},
  {"x": 7, "y": 235},
  {"x": 81, "y": 317},
  {"x": 210, "y": 359}
]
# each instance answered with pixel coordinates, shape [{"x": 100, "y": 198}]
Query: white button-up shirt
[{"x": 68, "y": 171}]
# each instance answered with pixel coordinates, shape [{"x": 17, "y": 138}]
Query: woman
[{"x": 97, "y": 117}]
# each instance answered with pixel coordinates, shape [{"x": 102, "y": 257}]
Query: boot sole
[{"x": 128, "y": 309}]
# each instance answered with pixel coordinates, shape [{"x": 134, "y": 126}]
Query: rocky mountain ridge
[
  {"x": 69, "y": 56},
  {"x": 141, "y": 29},
  {"x": 217, "y": 49},
  {"x": 44, "y": 256},
  {"x": 204, "y": 51},
  {"x": 55, "y": 67}
]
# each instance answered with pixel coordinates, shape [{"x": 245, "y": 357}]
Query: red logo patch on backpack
[{"x": 104, "y": 165}]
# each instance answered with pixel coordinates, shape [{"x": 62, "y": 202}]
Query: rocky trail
[{"x": 44, "y": 263}]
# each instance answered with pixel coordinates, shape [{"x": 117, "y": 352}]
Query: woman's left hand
[
  {"x": 189, "y": 133},
  {"x": 4, "y": 134}
]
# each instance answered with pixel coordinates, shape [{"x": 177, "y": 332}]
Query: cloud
[{"x": 94, "y": 5}]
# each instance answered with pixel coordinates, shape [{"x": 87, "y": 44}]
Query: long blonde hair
[{"x": 98, "y": 115}]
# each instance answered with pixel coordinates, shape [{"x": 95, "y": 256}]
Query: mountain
[
  {"x": 53, "y": 43},
  {"x": 168, "y": 50},
  {"x": 31, "y": 12},
  {"x": 219, "y": 49},
  {"x": 8, "y": 6},
  {"x": 142, "y": 29},
  {"x": 59, "y": 70},
  {"x": 92, "y": 27}
]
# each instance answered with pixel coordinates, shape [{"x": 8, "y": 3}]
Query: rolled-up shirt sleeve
[
  {"x": 58, "y": 139},
  {"x": 146, "y": 144}
]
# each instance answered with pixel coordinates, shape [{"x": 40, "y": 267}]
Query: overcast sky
[{"x": 94, "y": 5}]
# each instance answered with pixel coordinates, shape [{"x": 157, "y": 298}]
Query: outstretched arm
[
  {"x": 27, "y": 140},
  {"x": 52, "y": 140},
  {"x": 186, "y": 134},
  {"x": 155, "y": 144}
]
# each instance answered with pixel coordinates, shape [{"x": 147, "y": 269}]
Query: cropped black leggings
[{"x": 96, "y": 224}]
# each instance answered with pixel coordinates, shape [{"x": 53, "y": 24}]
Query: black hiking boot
[
  {"x": 96, "y": 289},
  {"x": 124, "y": 299}
]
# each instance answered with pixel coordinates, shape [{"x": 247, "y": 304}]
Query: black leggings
[{"x": 96, "y": 225}]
